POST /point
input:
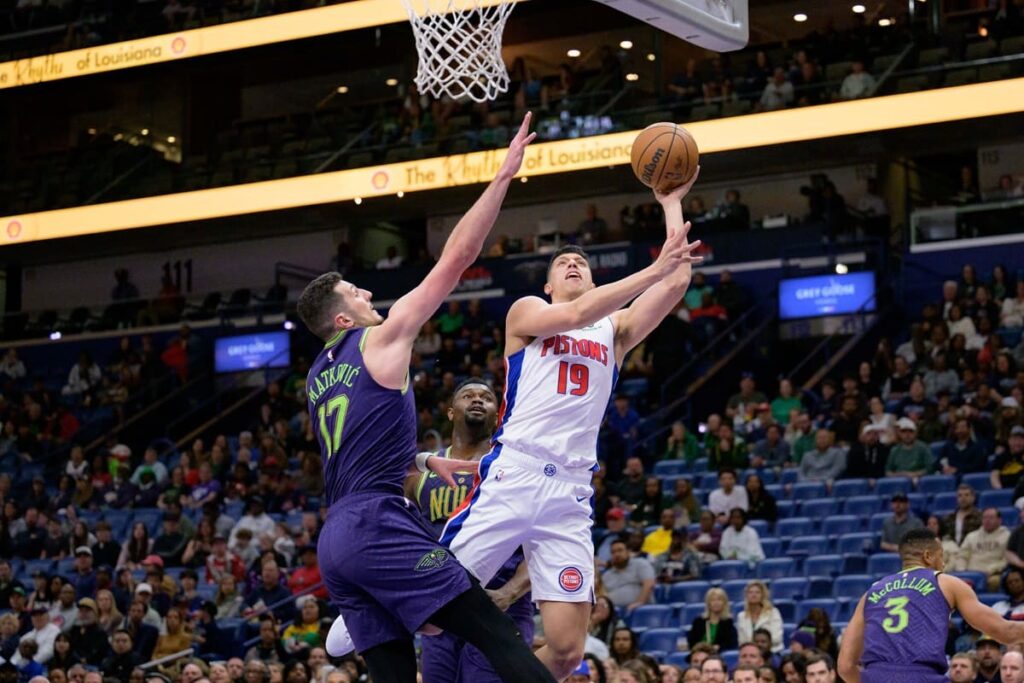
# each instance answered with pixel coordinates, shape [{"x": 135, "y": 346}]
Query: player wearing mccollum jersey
[
  {"x": 898, "y": 631},
  {"x": 447, "y": 658},
  {"x": 383, "y": 567},
  {"x": 534, "y": 489}
]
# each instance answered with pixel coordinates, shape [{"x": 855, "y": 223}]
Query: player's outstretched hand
[
  {"x": 677, "y": 194},
  {"x": 676, "y": 251},
  {"x": 517, "y": 148},
  {"x": 446, "y": 468}
]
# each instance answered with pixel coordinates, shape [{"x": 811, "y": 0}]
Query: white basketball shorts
[{"x": 521, "y": 500}]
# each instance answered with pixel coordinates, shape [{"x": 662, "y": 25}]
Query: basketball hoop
[{"x": 460, "y": 49}]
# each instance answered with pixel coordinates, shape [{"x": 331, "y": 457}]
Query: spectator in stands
[
  {"x": 84, "y": 379},
  {"x": 648, "y": 510},
  {"x": 771, "y": 451},
  {"x": 9, "y": 635},
  {"x": 64, "y": 612},
  {"x": 740, "y": 541},
  {"x": 867, "y": 458},
  {"x": 43, "y": 633},
  {"x": 1009, "y": 465},
  {"x": 984, "y": 549},
  {"x": 170, "y": 545},
  {"x": 778, "y": 94},
  {"x": 858, "y": 83},
  {"x": 746, "y": 399},
  {"x": 732, "y": 213},
  {"x": 727, "y": 496},
  {"x": 966, "y": 194},
  {"x": 967, "y": 517},
  {"x": 785, "y": 403},
  {"x": 592, "y": 229},
  {"x": 1011, "y": 667},
  {"x": 228, "y": 600},
  {"x": 962, "y": 454},
  {"x": 683, "y": 503},
  {"x": 679, "y": 563},
  {"x": 940, "y": 377},
  {"x": 107, "y": 615},
  {"x": 303, "y": 635},
  {"x": 730, "y": 295},
  {"x": 123, "y": 659},
  {"x": 615, "y": 521},
  {"x": 910, "y": 457},
  {"x": 624, "y": 646},
  {"x": 270, "y": 592},
  {"x": 308, "y": 574},
  {"x": 899, "y": 524},
  {"x": 1009, "y": 416},
  {"x": 11, "y": 366},
  {"x": 698, "y": 288},
  {"x": 629, "y": 581},
  {"x": 728, "y": 451},
  {"x": 391, "y": 259},
  {"x": 1013, "y": 587},
  {"x": 963, "y": 668},
  {"x": 761, "y": 503},
  {"x": 138, "y": 548},
  {"x": 256, "y": 520},
  {"x": 177, "y": 636},
  {"x": 88, "y": 640},
  {"x": 825, "y": 462},
  {"x": 1012, "y": 312},
  {"x": 898, "y": 383},
  {"x": 151, "y": 463},
  {"x": 988, "y": 653},
  {"x": 622, "y": 421},
  {"x": 715, "y": 626},
  {"x": 846, "y": 424},
  {"x": 681, "y": 444}
]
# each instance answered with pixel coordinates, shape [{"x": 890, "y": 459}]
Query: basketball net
[{"x": 460, "y": 50}]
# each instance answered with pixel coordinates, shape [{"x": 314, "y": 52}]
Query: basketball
[{"x": 664, "y": 156}]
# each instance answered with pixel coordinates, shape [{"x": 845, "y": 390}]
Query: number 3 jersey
[
  {"x": 906, "y": 620},
  {"x": 556, "y": 395},
  {"x": 367, "y": 433}
]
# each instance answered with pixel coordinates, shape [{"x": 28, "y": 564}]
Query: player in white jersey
[{"x": 534, "y": 488}]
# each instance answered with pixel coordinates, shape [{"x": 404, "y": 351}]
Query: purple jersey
[
  {"x": 367, "y": 433},
  {"x": 906, "y": 620}
]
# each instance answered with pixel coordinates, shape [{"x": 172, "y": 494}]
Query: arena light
[
  {"x": 573, "y": 53},
  {"x": 626, "y": 44},
  {"x": 400, "y": 194},
  {"x": 391, "y": 82},
  {"x": 859, "y": 9},
  {"x": 289, "y": 325},
  {"x": 799, "y": 17},
  {"x": 171, "y": 139},
  {"x": 651, "y": 57},
  {"x": 632, "y": 77},
  {"x": 883, "y": 22},
  {"x": 92, "y": 131},
  {"x": 753, "y": 131},
  {"x": 842, "y": 269},
  {"x": 236, "y": 35},
  {"x": 144, "y": 131},
  {"x": 358, "y": 200},
  {"x": 54, "y": 336},
  {"x": 342, "y": 89}
]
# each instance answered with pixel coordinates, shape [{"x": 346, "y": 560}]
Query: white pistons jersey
[{"x": 557, "y": 390}]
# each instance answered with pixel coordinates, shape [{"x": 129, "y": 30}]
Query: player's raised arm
[
  {"x": 534, "y": 317},
  {"x": 460, "y": 251},
  {"x": 852, "y": 647},
  {"x": 981, "y": 617},
  {"x": 633, "y": 324}
]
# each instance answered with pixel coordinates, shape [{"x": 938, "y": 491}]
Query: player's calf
[{"x": 565, "y": 629}]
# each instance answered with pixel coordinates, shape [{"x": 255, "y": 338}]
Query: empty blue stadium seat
[
  {"x": 852, "y": 587},
  {"x": 761, "y": 526},
  {"x": 918, "y": 502},
  {"x": 206, "y": 591},
  {"x": 66, "y": 566},
  {"x": 819, "y": 508},
  {"x": 777, "y": 568},
  {"x": 786, "y": 508},
  {"x": 862, "y": 506},
  {"x": 830, "y": 605},
  {"x": 887, "y": 486},
  {"x": 664, "y": 639},
  {"x": 806, "y": 490},
  {"x": 823, "y": 565},
  {"x": 153, "y": 519},
  {"x": 688, "y": 591},
  {"x": 709, "y": 480},
  {"x": 795, "y": 526},
  {"x": 877, "y": 520},
  {"x": 726, "y": 570},
  {"x": 995, "y": 498},
  {"x": 777, "y": 491},
  {"x": 788, "y": 476},
  {"x": 937, "y": 447},
  {"x": 881, "y": 564},
  {"x": 33, "y": 566},
  {"x": 1010, "y": 515},
  {"x": 690, "y": 611},
  {"x": 837, "y": 525},
  {"x": 846, "y": 488},
  {"x": 859, "y": 543},
  {"x": 680, "y": 659},
  {"x": 976, "y": 580},
  {"x": 794, "y": 588},
  {"x": 650, "y": 616},
  {"x": 700, "y": 465},
  {"x": 731, "y": 658},
  {"x": 943, "y": 503},
  {"x": 669, "y": 467},
  {"x": 979, "y": 481},
  {"x": 808, "y": 545},
  {"x": 990, "y": 598},
  {"x": 767, "y": 476},
  {"x": 735, "y": 589},
  {"x": 771, "y": 546},
  {"x": 936, "y": 483},
  {"x": 787, "y": 608}
]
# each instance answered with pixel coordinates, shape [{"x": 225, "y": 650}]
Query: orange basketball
[{"x": 664, "y": 156}]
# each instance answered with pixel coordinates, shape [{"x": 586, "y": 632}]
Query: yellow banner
[
  {"x": 237, "y": 35},
  {"x": 563, "y": 156}
]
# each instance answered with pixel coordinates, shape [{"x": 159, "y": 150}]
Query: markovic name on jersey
[{"x": 563, "y": 344}]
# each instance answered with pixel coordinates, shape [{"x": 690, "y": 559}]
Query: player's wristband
[{"x": 421, "y": 461}]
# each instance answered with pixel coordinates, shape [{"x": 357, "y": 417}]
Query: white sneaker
[{"x": 339, "y": 640}]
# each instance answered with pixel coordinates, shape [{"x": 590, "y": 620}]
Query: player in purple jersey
[
  {"x": 446, "y": 658},
  {"x": 898, "y": 632},
  {"x": 383, "y": 567}
]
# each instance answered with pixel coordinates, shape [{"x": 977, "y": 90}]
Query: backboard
[{"x": 719, "y": 25}]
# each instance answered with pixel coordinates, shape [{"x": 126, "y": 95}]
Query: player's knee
[{"x": 566, "y": 656}]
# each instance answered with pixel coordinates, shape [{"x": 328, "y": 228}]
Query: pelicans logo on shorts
[{"x": 570, "y": 579}]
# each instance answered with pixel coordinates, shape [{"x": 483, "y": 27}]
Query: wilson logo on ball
[{"x": 652, "y": 166}]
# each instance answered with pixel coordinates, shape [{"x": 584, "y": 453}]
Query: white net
[{"x": 460, "y": 50}]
